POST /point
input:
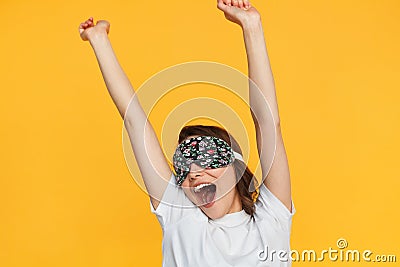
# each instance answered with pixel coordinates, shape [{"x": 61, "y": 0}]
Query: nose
[{"x": 196, "y": 171}]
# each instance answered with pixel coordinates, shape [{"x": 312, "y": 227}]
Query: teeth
[{"x": 197, "y": 188}]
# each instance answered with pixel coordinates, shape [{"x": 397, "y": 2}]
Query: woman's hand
[
  {"x": 88, "y": 29},
  {"x": 240, "y": 12}
]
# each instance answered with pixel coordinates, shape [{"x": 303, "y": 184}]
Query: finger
[
  {"x": 240, "y": 4},
  {"x": 221, "y": 5},
  {"x": 228, "y": 2},
  {"x": 235, "y": 3},
  {"x": 88, "y": 21},
  {"x": 246, "y": 3}
]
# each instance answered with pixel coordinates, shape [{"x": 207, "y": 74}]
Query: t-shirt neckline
[{"x": 231, "y": 219}]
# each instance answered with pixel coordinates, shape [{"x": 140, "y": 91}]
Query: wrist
[
  {"x": 251, "y": 24},
  {"x": 97, "y": 37}
]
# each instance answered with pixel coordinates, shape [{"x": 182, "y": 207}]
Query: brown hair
[{"x": 246, "y": 184}]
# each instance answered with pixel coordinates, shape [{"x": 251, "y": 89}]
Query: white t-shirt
[{"x": 191, "y": 239}]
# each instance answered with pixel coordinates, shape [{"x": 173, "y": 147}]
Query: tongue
[
  {"x": 209, "y": 196},
  {"x": 207, "y": 193}
]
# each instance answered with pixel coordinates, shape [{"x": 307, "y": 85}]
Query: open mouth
[{"x": 205, "y": 194}]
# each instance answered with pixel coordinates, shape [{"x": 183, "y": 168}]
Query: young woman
[{"x": 208, "y": 208}]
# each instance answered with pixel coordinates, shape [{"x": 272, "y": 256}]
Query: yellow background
[{"x": 67, "y": 197}]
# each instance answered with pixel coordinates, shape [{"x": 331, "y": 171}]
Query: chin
[
  {"x": 213, "y": 212},
  {"x": 218, "y": 209}
]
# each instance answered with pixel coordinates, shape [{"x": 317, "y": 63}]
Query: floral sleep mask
[{"x": 205, "y": 151}]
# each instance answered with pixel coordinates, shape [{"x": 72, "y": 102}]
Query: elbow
[{"x": 277, "y": 123}]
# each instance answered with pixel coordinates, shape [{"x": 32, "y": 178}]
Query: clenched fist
[
  {"x": 88, "y": 29},
  {"x": 240, "y": 12}
]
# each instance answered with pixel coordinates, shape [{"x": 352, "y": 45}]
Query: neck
[{"x": 236, "y": 203}]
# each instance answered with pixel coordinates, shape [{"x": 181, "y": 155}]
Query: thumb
[{"x": 221, "y": 6}]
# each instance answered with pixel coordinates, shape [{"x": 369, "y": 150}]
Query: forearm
[
  {"x": 259, "y": 72},
  {"x": 122, "y": 93},
  {"x": 117, "y": 83}
]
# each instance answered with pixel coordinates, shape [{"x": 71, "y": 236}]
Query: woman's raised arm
[
  {"x": 148, "y": 153},
  {"x": 278, "y": 178}
]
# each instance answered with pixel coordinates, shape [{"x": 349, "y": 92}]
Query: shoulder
[{"x": 268, "y": 206}]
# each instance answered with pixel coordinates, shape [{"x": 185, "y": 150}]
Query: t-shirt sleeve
[
  {"x": 269, "y": 205},
  {"x": 174, "y": 204}
]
